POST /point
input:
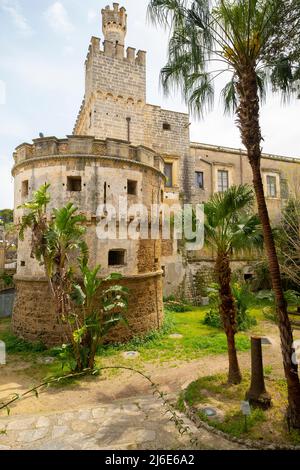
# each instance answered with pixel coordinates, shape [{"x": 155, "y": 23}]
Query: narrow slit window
[
  {"x": 116, "y": 258},
  {"x": 74, "y": 183},
  {"x": 105, "y": 192},
  {"x": 25, "y": 188}
]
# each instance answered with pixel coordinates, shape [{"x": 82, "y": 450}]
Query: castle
[{"x": 123, "y": 146}]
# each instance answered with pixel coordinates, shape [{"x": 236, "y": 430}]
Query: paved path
[{"x": 135, "y": 423}]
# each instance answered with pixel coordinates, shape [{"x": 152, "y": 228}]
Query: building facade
[{"x": 123, "y": 146}]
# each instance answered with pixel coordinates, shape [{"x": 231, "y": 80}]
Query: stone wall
[
  {"x": 105, "y": 169},
  {"x": 209, "y": 159},
  {"x": 34, "y": 316}
]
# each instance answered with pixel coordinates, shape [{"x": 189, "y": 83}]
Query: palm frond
[{"x": 229, "y": 96}]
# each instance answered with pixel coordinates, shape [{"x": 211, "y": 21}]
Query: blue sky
[{"x": 43, "y": 45}]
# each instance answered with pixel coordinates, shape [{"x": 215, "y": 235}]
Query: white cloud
[
  {"x": 92, "y": 15},
  {"x": 58, "y": 18},
  {"x": 13, "y": 9}
]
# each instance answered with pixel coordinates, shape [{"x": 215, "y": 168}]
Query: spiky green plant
[{"x": 230, "y": 227}]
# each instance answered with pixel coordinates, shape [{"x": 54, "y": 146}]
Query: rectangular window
[
  {"x": 199, "y": 179},
  {"x": 271, "y": 186},
  {"x": 116, "y": 258},
  {"x": 169, "y": 174},
  {"x": 25, "y": 188},
  {"x": 222, "y": 181},
  {"x": 132, "y": 187},
  {"x": 74, "y": 183},
  {"x": 166, "y": 126}
]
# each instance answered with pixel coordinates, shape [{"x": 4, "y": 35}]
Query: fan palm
[
  {"x": 236, "y": 35},
  {"x": 228, "y": 229}
]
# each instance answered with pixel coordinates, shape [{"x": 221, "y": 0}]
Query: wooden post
[
  {"x": 2, "y": 256},
  {"x": 257, "y": 394}
]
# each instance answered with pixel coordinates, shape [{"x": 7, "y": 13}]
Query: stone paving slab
[{"x": 135, "y": 423}]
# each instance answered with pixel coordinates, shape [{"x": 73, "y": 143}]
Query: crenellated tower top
[{"x": 114, "y": 24}]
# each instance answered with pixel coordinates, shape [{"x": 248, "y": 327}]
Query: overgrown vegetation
[
  {"x": 244, "y": 299},
  {"x": 7, "y": 279},
  {"x": 175, "y": 305},
  {"x": 86, "y": 309}
]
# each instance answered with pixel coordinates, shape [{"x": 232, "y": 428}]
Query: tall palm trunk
[
  {"x": 248, "y": 120},
  {"x": 228, "y": 315}
]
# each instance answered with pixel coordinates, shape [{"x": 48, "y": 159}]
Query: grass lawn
[
  {"x": 265, "y": 426},
  {"x": 197, "y": 340}
]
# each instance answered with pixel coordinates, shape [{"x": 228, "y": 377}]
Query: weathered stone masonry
[{"x": 96, "y": 163}]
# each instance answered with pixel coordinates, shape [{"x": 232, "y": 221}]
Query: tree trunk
[
  {"x": 248, "y": 121},
  {"x": 228, "y": 315},
  {"x": 257, "y": 393}
]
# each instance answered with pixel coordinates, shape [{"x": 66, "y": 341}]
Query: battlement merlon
[
  {"x": 112, "y": 70},
  {"x": 114, "y": 24},
  {"x": 115, "y": 51},
  {"x": 80, "y": 146}
]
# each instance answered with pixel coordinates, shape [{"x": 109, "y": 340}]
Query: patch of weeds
[
  {"x": 294, "y": 436},
  {"x": 148, "y": 340},
  {"x": 268, "y": 370},
  {"x": 234, "y": 422},
  {"x": 177, "y": 306},
  {"x": 180, "y": 403},
  {"x": 17, "y": 345},
  {"x": 195, "y": 393}
]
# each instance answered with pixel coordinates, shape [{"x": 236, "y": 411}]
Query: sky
[{"x": 43, "y": 46}]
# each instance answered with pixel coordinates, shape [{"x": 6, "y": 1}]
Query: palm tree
[
  {"x": 236, "y": 35},
  {"x": 53, "y": 244},
  {"x": 228, "y": 229}
]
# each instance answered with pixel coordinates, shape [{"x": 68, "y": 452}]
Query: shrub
[
  {"x": 243, "y": 299},
  {"x": 177, "y": 306},
  {"x": 7, "y": 279},
  {"x": 292, "y": 297}
]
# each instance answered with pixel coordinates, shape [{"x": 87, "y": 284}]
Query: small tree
[
  {"x": 229, "y": 228},
  {"x": 55, "y": 241}
]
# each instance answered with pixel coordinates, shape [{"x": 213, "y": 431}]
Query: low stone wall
[
  {"x": 34, "y": 316},
  {"x": 7, "y": 298}
]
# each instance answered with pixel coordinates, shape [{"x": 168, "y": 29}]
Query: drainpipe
[
  {"x": 128, "y": 119},
  {"x": 241, "y": 167}
]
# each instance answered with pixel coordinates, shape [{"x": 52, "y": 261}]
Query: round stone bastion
[{"x": 89, "y": 173}]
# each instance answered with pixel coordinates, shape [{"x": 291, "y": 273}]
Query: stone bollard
[{"x": 257, "y": 394}]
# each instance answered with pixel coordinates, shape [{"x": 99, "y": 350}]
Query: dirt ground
[{"x": 170, "y": 376}]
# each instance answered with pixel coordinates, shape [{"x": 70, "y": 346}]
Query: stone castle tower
[
  {"x": 114, "y": 24},
  {"x": 109, "y": 155}
]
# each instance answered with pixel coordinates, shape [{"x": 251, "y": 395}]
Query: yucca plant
[
  {"x": 234, "y": 38},
  {"x": 230, "y": 227}
]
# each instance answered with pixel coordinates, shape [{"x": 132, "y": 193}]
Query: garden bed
[{"x": 263, "y": 428}]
